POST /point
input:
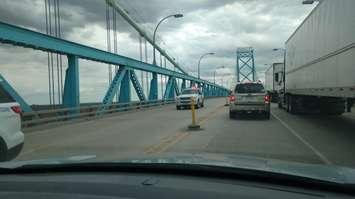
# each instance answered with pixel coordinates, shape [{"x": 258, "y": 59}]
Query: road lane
[
  {"x": 333, "y": 136},
  {"x": 301, "y": 138},
  {"x": 247, "y": 136},
  {"x": 119, "y": 136},
  {"x": 291, "y": 130}
]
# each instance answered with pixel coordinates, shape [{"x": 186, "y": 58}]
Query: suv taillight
[
  {"x": 232, "y": 98},
  {"x": 267, "y": 99},
  {"x": 16, "y": 109}
]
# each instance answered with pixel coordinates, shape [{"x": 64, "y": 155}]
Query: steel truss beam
[
  {"x": 137, "y": 86},
  {"x": 71, "y": 96},
  {"x": 183, "y": 84},
  {"x": 112, "y": 90},
  {"x": 171, "y": 89},
  {"x": 27, "y": 38},
  {"x": 125, "y": 88},
  {"x": 153, "y": 92},
  {"x": 30, "y": 39}
]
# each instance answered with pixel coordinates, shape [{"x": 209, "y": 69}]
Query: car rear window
[
  {"x": 249, "y": 88},
  {"x": 189, "y": 91}
]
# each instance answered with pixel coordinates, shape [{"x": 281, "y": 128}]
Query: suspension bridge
[{"x": 123, "y": 72}]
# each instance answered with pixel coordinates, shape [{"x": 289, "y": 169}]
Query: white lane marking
[{"x": 319, "y": 154}]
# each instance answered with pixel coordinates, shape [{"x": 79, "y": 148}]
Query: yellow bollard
[
  {"x": 227, "y": 101},
  {"x": 193, "y": 125}
]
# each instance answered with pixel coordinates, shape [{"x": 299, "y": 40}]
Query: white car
[
  {"x": 11, "y": 136},
  {"x": 184, "y": 99}
]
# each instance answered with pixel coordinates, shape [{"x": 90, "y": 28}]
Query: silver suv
[{"x": 249, "y": 98}]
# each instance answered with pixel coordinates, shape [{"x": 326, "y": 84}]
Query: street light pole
[
  {"x": 155, "y": 31},
  {"x": 199, "y": 61},
  {"x": 214, "y": 74},
  {"x": 214, "y": 77}
]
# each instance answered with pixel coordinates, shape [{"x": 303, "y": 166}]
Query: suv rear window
[{"x": 249, "y": 88}]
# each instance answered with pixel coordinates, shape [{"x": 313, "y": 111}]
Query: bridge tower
[{"x": 245, "y": 69}]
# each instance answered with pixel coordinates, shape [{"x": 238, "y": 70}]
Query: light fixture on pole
[
  {"x": 155, "y": 31},
  {"x": 214, "y": 74},
  {"x": 199, "y": 61},
  {"x": 309, "y": 1}
]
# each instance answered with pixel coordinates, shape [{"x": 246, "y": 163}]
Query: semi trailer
[
  {"x": 274, "y": 76},
  {"x": 320, "y": 61}
]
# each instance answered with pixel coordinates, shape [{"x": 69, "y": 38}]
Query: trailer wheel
[{"x": 292, "y": 103}]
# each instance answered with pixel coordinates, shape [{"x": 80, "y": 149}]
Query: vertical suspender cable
[
  {"x": 52, "y": 68},
  {"x": 60, "y": 56},
  {"x": 161, "y": 77},
  {"x": 57, "y": 56},
  {"x": 48, "y": 59},
  {"x": 114, "y": 25},
  {"x": 165, "y": 68},
  {"x": 108, "y": 40},
  {"x": 146, "y": 60},
  {"x": 141, "y": 58}
]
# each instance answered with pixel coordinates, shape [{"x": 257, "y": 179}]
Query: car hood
[{"x": 336, "y": 174}]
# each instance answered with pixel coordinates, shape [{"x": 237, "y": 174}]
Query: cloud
[{"x": 207, "y": 26}]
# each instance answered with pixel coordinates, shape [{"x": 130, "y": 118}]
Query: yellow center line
[
  {"x": 204, "y": 119},
  {"x": 169, "y": 141},
  {"x": 166, "y": 144}
]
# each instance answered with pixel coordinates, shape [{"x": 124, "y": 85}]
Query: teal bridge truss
[{"x": 122, "y": 80}]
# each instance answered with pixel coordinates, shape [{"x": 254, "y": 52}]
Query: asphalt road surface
[{"x": 301, "y": 138}]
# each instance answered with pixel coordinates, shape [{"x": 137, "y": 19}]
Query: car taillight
[
  {"x": 16, "y": 109},
  {"x": 232, "y": 98},
  {"x": 267, "y": 99}
]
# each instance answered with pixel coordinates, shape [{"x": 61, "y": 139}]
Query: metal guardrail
[{"x": 41, "y": 117}]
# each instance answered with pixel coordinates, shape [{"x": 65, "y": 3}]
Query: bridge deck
[{"x": 310, "y": 139}]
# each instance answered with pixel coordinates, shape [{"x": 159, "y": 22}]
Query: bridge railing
[{"x": 35, "y": 118}]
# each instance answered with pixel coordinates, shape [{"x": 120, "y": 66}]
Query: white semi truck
[
  {"x": 274, "y": 76},
  {"x": 320, "y": 61}
]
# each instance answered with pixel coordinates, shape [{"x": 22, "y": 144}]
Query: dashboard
[{"x": 107, "y": 185}]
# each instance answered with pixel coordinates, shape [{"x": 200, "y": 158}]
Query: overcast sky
[{"x": 207, "y": 26}]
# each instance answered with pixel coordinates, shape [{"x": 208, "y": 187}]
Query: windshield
[
  {"x": 249, "y": 88},
  {"x": 184, "y": 92},
  {"x": 93, "y": 78}
]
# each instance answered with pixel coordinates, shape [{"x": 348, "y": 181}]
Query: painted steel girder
[
  {"x": 176, "y": 88},
  {"x": 153, "y": 92},
  {"x": 27, "y": 38},
  {"x": 183, "y": 84},
  {"x": 170, "y": 88},
  {"x": 137, "y": 86},
  {"x": 206, "y": 90},
  {"x": 125, "y": 88},
  {"x": 71, "y": 96},
  {"x": 112, "y": 90}
]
